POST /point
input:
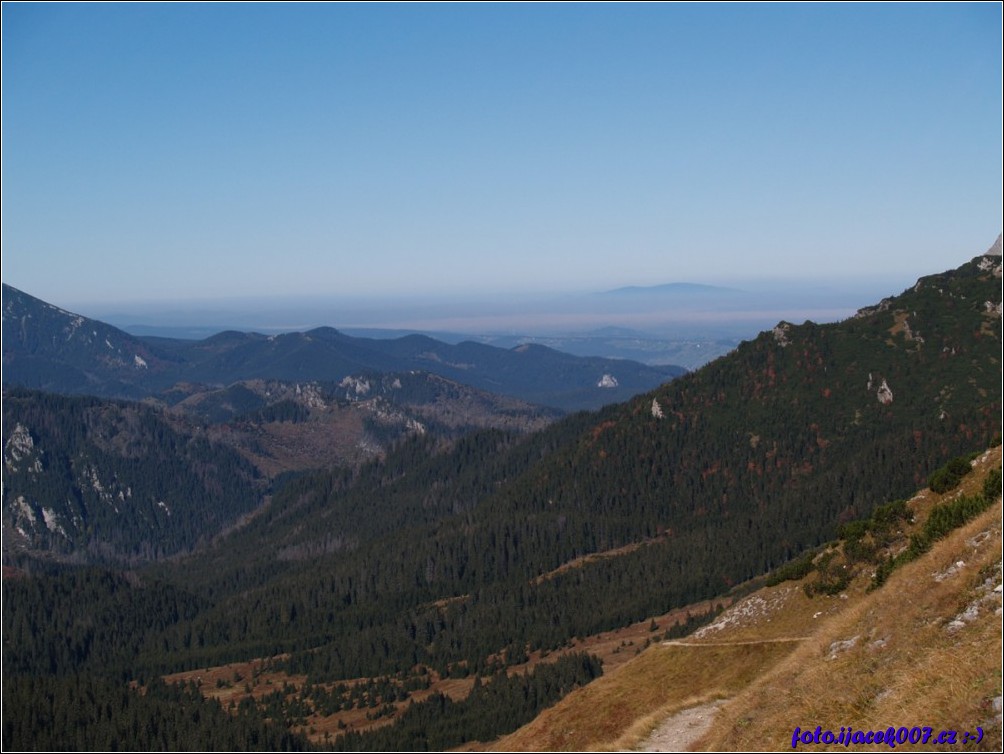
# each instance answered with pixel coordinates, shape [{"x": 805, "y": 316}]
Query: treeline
[
  {"x": 873, "y": 541},
  {"x": 77, "y": 640},
  {"x": 497, "y": 706}
]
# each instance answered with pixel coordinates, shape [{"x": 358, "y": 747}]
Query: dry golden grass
[
  {"x": 620, "y": 708},
  {"x": 587, "y": 559},
  {"x": 619, "y": 646},
  {"x": 906, "y": 668},
  {"x": 253, "y": 679},
  {"x": 230, "y": 683}
]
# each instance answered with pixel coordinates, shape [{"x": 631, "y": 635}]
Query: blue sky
[{"x": 157, "y": 152}]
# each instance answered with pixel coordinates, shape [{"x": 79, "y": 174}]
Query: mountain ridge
[{"x": 48, "y": 348}]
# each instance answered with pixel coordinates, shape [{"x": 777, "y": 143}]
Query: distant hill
[
  {"x": 51, "y": 349},
  {"x": 295, "y": 426},
  {"x": 620, "y": 342}
]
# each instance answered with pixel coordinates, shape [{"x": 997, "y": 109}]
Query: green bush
[
  {"x": 948, "y": 476},
  {"x": 792, "y": 570},
  {"x": 854, "y": 529},
  {"x": 882, "y": 572},
  {"x": 857, "y": 549},
  {"x": 943, "y": 519},
  {"x": 948, "y": 516},
  {"x": 890, "y": 513},
  {"x": 992, "y": 485},
  {"x": 942, "y": 481}
]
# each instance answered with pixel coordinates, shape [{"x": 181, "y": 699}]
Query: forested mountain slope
[
  {"x": 92, "y": 479},
  {"x": 48, "y": 348},
  {"x": 98, "y": 479},
  {"x": 438, "y": 556}
]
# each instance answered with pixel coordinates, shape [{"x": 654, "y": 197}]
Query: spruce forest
[{"x": 141, "y": 546}]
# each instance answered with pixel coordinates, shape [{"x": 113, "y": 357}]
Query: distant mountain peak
[{"x": 669, "y": 288}]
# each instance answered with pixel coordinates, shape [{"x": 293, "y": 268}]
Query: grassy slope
[{"x": 906, "y": 668}]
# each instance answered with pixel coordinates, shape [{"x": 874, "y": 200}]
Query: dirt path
[
  {"x": 677, "y": 732},
  {"x": 731, "y": 643}
]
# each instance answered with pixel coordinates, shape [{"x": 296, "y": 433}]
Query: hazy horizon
[{"x": 710, "y": 309}]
